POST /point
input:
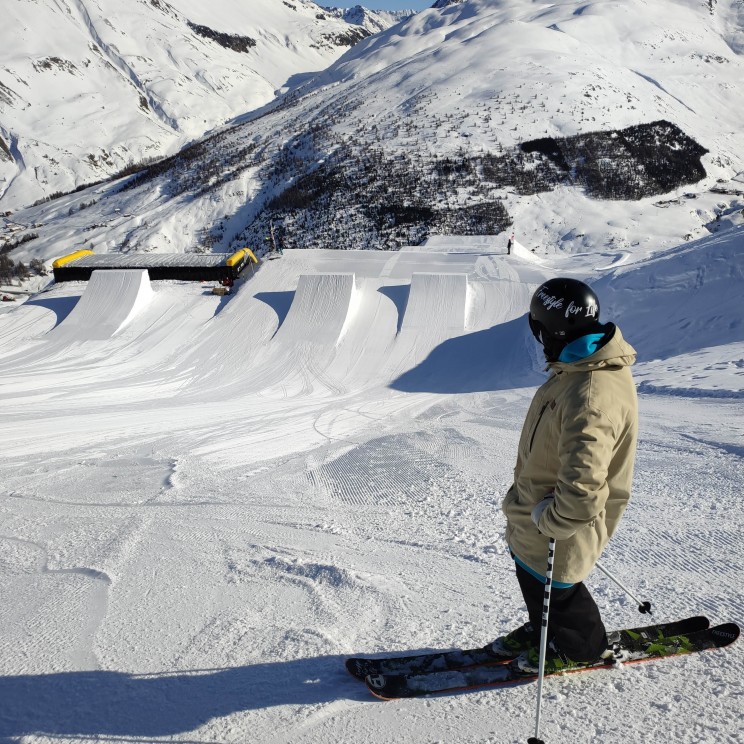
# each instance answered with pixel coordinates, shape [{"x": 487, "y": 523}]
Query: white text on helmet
[
  {"x": 549, "y": 301},
  {"x": 590, "y": 310}
]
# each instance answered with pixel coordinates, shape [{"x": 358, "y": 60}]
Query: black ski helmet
[{"x": 563, "y": 310}]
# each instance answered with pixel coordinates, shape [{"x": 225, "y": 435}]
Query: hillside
[
  {"x": 90, "y": 87},
  {"x": 468, "y": 119},
  {"x": 210, "y": 501},
  {"x": 372, "y": 20}
]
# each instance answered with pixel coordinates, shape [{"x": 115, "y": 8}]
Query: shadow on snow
[
  {"x": 498, "y": 358},
  {"x": 60, "y": 306},
  {"x": 92, "y": 703},
  {"x": 279, "y": 302}
]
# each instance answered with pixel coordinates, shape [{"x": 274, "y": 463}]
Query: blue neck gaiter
[{"x": 581, "y": 348}]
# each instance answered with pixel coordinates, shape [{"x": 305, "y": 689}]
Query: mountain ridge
[
  {"x": 421, "y": 129},
  {"x": 142, "y": 80}
]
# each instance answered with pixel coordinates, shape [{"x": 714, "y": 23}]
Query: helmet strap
[
  {"x": 537, "y": 328},
  {"x": 553, "y": 346}
]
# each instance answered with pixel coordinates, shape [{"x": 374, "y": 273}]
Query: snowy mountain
[
  {"x": 210, "y": 501},
  {"x": 577, "y": 126},
  {"x": 372, "y": 20},
  {"x": 88, "y": 87}
]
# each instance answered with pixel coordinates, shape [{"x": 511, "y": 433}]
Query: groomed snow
[
  {"x": 205, "y": 510},
  {"x": 110, "y": 301}
]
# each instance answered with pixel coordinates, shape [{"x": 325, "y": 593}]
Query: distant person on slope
[{"x": 573, "y": 473}]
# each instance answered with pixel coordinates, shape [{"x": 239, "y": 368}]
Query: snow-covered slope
[
  {"x": 684, "y": 312},
  {"x": 372, "y": 20},
  {"x": 473, "y": 118},
  {"x": 90, "y": 86},
  {"x": 207, "y": 507},
  {"x": 209, "y": 504}
]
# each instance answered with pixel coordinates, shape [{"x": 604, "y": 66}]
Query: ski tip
[
  {"x": 725, "y": 634},
  {"x": 358, "y": 668},
  {"x": 388, "y": 686},
  {"x": 377, "y": 683}
]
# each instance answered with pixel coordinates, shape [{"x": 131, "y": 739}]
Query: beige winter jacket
[{"x": 579, "y": 442}]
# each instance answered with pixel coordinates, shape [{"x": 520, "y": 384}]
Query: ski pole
[
  {"x": 643, "y": 607},
  {"x": 543, "y": 640}
]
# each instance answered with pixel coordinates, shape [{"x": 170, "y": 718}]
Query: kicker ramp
[
  {"x": 112, "y": 298},
  {"x": 321, "y": 306},
  {"x": 437, "y": 305},
  {"x": 435, "y": 312}
]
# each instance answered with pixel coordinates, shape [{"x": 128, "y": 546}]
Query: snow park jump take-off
[{"x": 211, "y": 502}]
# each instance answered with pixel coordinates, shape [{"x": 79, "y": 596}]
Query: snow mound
[
  {"x": 682, "y": 311},
  {"x": 319, "y": 310},
  {"x": 110, "y": 301}
]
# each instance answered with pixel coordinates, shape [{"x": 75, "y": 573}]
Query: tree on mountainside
[
  {"x": 38, "y": 267},
  {"x": 6, "y": 269}
]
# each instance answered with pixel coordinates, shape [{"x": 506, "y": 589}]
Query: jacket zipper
[{"x": 537, "y": 423}]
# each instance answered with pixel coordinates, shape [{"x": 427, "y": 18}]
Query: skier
[{"x": 573, "y": 474}]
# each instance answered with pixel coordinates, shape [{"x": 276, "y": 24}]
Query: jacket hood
[{"x": 616, "y": 352}]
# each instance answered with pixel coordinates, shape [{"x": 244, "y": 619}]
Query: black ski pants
[{"x": 574, "y": 622}]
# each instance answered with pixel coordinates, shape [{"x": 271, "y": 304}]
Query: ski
[
  {"x": 637, "y": 647},
  {"x": 441, "y": 661}
]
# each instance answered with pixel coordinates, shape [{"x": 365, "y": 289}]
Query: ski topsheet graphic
[
  {"x": 440, "y": 661},
  {"x": 636, "y": 647}
]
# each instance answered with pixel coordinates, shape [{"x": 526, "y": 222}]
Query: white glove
[{"x": 539, "y": 508}]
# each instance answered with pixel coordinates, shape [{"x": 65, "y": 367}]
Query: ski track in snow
[{"x": 207, "y": 507}]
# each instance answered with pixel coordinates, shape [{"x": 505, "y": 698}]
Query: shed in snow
[{"x": 78, "y": 266}]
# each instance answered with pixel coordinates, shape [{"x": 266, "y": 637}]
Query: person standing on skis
[{"x": 573, "y": 474}]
